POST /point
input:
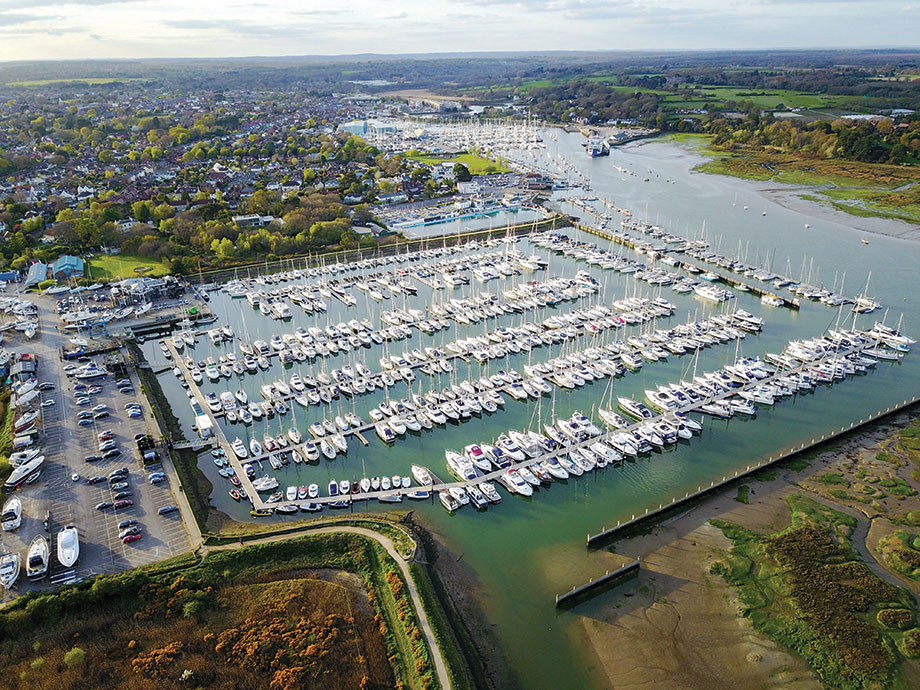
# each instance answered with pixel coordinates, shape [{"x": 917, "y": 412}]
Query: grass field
[
  {"x": 111, "y": 266},
  {"x": 91, "y": 81},
  {"x": 477, "y": 165}
]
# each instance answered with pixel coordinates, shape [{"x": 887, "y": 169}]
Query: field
[
  {"x": 113, "y": 266},
  {"x": 321, "y": 611},
  {"x": 477, "y": 165},
  {"x": 805, "y": 587},
  {"x": 91, "y": 81}
]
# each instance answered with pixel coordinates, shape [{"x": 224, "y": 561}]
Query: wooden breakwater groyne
[
  {"x": 596, "y": 540},
  {"x": 608, "y": 579}
]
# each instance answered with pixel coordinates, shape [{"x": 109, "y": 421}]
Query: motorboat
[
  {"x": 38, "y": 558},
  {"x": 422, "y": 475},
  {"x": 68, "y": 546},
  {"x": 10, "y": 565},
  {"x": 11, "y": 516}
]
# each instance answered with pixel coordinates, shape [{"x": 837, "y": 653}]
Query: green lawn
[
  {"x": 477, "y": 165},
  {"x": 113, "y": 266}
]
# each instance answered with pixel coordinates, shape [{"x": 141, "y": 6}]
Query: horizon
[{"x": 50, "y": 30}]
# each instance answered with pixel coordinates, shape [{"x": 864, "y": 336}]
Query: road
[{"x": 386, "y": 543}]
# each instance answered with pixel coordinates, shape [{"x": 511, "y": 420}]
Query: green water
[{"x": 525, "y": 551}]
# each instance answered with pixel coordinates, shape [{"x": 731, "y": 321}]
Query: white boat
[
  {"x": 239, "y": 448},
  {"x": 10, "y": 564},
  {"x": 11, "y": 516},
  {"x": 422, "y": 475},
  {"x": 38, "y": 558},
  {"x": 68, "y": 546}
]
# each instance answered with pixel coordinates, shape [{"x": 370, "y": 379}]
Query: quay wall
[
  {"x": 606, "y": 534},
  {"x": 589, "y": 587}
]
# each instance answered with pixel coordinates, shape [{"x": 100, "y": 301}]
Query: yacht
[
  {"x": 10, "y": 564},
  {"x": 68, "y": 546},
  {"x": 11, "y": 516},
  {"x": 422, "y": 475},
  {"x": 239, "y": 448},
  {"x": 38, "y": 558}
]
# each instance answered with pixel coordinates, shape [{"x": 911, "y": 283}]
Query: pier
[
  {"x": 606, "y": 580},
  {"x": 341, "y": 501},
  {"x": 740, "y": 285},
  {"x": 678, "y": 502}
]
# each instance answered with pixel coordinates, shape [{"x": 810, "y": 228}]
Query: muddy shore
[{"x": 678, "y": 626}]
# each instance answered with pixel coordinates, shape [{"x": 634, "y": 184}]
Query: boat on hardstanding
[
  {"x": 38, "y": 558},
  {"x": 68, "y": 546},
  {"x": 10, "y": 564},
  {"x": 11, "y": 516}
]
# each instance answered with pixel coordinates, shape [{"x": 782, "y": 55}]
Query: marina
[{"x": 563, "y": 510}]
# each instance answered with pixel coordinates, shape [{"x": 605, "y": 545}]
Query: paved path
[{"x": 387, "y": 543}]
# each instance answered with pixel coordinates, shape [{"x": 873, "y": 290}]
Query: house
[
  {"x": 66, "y": 267},
  {"x": 253, "y": 220}
]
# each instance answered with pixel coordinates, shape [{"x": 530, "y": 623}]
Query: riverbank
[
  {"x": 882, "y": 199},
  {"x": 680, "y": 624}
]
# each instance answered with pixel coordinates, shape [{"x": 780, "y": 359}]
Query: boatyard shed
[
  {"x": 38, "y": 272},
  {"x": 66, "y": 267}
]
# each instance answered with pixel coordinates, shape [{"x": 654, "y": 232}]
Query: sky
[{"x": 81, "y": 29}]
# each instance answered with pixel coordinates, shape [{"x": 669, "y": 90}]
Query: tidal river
[{"x": 525, "y": 551}]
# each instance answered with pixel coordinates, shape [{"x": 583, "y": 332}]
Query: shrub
[
  {"x": 911, "y": 642},
  {"x": 75, "y": 657},
  {"x": 37, "y": 664},
  {"x": 896, "y": 618}
]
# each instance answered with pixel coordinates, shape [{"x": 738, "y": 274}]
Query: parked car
[
  {"x": 105, "y": 505},
  {"x": 86, "y": 422},
  {"x": 96, "y": 480},
  {"x": 46, "y": 386},
  {"x": 114, "y": 453},
  {"x": 101, "y": 415},
  {"x": 166, "y": 510},
  {"x": 129, "y": 522},
  {"x": 48, "y": 402},
  {"x": 92, "y": 458},
  {"x": 123, "y": 503},
  {"x": 156, "y": 476},
  {"x": 100, "y": 407},
  {"x": 81, "y": 402},
  {"x": 106, "y": 445},
  {"x": 118, "y": 486},
  {"x": 131, "y": 538},
  {"x": 120, "y": 472},
  {"x": 130, "y": 530},
  {"x": 123, "y": 494},
  {"x": 84, "y": 414}
]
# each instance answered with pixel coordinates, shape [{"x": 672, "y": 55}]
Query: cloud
[{"x": 9, "y": 19}]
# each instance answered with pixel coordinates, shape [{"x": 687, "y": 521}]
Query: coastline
[
  {"x": 789, "y": 196},
  {"x": 682, "y": 625}
]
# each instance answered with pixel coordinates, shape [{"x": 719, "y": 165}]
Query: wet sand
[{"x": 678, "y": 626}]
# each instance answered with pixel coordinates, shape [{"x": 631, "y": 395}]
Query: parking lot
[{"x": 63, "y": 491}]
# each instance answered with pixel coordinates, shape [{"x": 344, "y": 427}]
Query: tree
[{"x": 462, "y": 173}]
